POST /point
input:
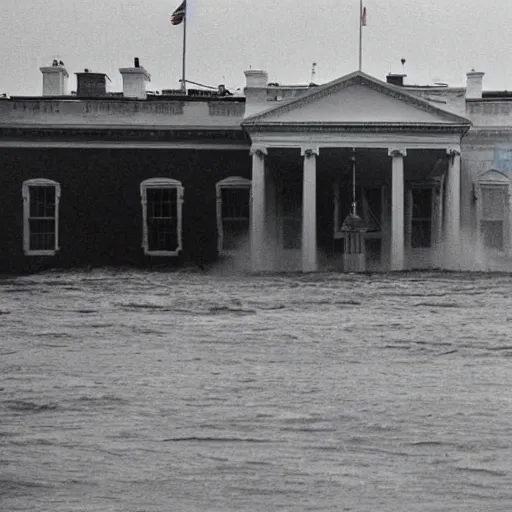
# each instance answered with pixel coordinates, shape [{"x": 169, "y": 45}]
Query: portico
[{"x": 404, "y": 144}]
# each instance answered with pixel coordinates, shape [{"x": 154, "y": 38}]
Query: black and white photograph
[{"x": 255, "y": 256}]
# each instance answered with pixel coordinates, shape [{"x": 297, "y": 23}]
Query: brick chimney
[
  {"x": 55, "y": 79},
  {"x": 474, "y": 84},
  {"x": 134, "y": 80},
  {"x": 90, "y": 85}
]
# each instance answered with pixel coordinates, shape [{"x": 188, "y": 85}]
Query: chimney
[
  {"x": 55, "y": 79},
  {"x": 395, "y": 79},
  {"x": 255, "y": 91},
  {"x": 134, "y": 80},
  {"x": 90, "y": 85},
  {"x": 474, "y": 81},
  {"x": 256, "y": 78}
]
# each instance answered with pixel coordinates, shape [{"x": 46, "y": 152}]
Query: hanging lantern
[{"x": 354, "y": 227}]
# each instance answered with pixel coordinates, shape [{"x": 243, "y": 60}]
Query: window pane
[
  {"x": 493, "y": 203},
  {"x": 235, "y": 203},
  {"x": 162, "y": 202},
  {"x": 162, "y": 219},
  {"x": 162, "y": 235},
  {"x": 42, "y": 201},
  {"x": 492, "y": 233},
  {"x": 42, "y": 235}
]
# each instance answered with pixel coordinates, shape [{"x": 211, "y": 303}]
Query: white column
[
  {"x": 258, "y": 208},
  {"x": 397, "y": 209},
  {"x": 452, "y": 210},
  {"x": 309, "y": 249}
]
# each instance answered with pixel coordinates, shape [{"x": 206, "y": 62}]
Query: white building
[{"x": 432, "y": 169}]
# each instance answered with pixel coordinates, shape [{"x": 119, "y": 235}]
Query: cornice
[{"x": 356, "y": 127}]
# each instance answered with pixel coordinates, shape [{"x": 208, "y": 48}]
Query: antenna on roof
[
  {"x": 403, "y": 65},
  {"x": 313, "y": 73}
]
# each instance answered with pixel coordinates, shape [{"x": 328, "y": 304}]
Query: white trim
[
  {"x": 297, "y": 140},
  {"x": 159, "y": 183},
  {"x": 39, "y": 182},
  {"x": 232, "y": 182}
]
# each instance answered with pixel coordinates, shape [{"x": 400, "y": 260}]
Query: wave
[
  {"x": 216, "y": 440},
  {"x": 23, "y": 406},
  {"x": 492, "y": 472}
]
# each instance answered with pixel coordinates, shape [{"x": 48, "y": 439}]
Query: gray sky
[{"x": 441, "y": 40}]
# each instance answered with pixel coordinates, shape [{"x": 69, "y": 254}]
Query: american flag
[{"x": 179, "y": 14}]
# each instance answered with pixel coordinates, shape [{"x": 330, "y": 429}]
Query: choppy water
[{"x": 135, "y": 391}]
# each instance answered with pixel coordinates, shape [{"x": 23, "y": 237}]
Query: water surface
[{"x": 143, "y": 392}]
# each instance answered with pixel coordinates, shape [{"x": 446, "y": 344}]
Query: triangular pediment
[{"x": 356, "y": 99}]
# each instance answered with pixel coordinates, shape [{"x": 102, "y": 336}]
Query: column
[
  {"x": 397, "y": 208},
  {"x": 309, "y": 249},
  {"x": 452, "y": 210},
  {"x": 258, "y": 208}
]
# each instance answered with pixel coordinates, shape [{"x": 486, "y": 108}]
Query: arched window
[
  {"x": 40, "y": 217},
  {"x": 492, "y": 191},
  {"x": 162, "y": 200},
  {"x": 233, "y": 213}
]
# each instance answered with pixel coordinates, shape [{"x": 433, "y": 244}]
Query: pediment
[
  {"x": 493, "y": 177},
  {"x": 356, "y": 99}
]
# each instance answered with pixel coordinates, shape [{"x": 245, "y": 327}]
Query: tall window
[
  {"x": 492, "y": 192},
  {"x": 40, "y": 217},
  {"x": 233, "y": 213},
  {"x": 421, "y": 217},
  {"x": 492, "y": 218},
  {"x": 162, "y": 200}
]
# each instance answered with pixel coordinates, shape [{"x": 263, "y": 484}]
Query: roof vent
[{"x": 395, "y": 79}]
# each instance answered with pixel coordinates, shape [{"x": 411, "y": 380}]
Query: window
[
  {"x": 162, "y": 200},
  {"x": 493, "y": 216},
  {"x": 233, "y": 213},
  {"x": 492, "y": 193},
  {"x": 40, "y": 217},
  {"x": 421, "y": 217}
]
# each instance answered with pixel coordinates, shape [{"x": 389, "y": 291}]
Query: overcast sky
[{"x": 440, "y": 39}]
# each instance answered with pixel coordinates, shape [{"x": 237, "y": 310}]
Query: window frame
[
  {"x": 39, "y": 182},
  {"x": 498, "y": 180},
  {"x": 162, "y": 183},
  {"x": 232, "y": 182}
]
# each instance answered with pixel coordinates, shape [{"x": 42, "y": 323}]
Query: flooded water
[{"x": 143, "y": 392}]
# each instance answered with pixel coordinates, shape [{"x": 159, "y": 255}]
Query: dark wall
[{"x": 100, "y": 210}]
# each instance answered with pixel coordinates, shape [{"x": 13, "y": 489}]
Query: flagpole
[
  {"x": 183, "y": 82},
  {"x": 360, "y": 35}
]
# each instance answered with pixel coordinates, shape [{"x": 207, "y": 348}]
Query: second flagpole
[
  {"x": 360, "y": 35},
  {"x": 183, "y": 79}
]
